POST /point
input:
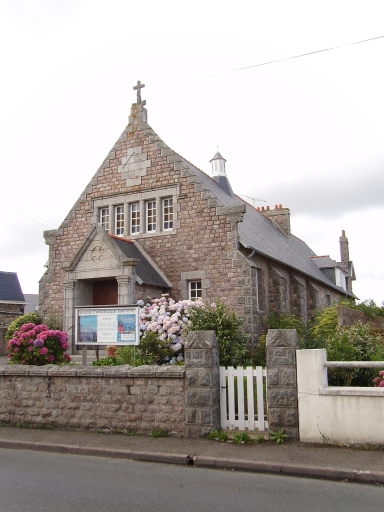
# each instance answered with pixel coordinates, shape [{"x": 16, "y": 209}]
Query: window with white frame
[
  {"x": 104, "y": 218},
  {"x": 119, "y": 220},
  {"x": 135, "y": 218},
  {"x": 167, "y": 213},
  {"x": 151, "y": 216},
  {"x": 194, "y": 290}
]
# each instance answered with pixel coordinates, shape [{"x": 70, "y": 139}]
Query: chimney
[
  {"x": 344, "y": 249},
  {"x": 280, "y": 217}
]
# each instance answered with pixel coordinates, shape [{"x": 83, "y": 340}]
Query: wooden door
[{"x": 105, "y": 293}]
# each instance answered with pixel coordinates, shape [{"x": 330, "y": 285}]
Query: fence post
[
  {"x": 281, "y": 381},
  {"x": 202, "y": 384}
]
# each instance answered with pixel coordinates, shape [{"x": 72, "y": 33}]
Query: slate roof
[
  {"x": 260, "y": 233},
  {"x": 144, "y": 270},
  {"x": 10, "y": 289},
  {"x": 324, "y": 262}
]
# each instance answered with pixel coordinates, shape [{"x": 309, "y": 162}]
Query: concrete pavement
[
  {"x": 290, "y": 458},
  {"x": 365, "y": 465}
]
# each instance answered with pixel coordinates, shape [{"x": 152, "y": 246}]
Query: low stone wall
[
  {"x": 347, "y": 317},
  {"x": 140, "y": 399},
  {"x": 183, "y": 400}
]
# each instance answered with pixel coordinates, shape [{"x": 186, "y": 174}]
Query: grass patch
[
  {"x": 159, "y": 433},
  {"x": 218, "y": 435}
]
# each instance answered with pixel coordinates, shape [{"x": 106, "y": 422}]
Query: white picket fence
[{"x": 242, "y": 407}]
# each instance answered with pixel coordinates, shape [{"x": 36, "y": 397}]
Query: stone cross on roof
[{"x": 138, "y": 87}]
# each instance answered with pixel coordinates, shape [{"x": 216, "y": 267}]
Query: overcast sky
[{"x": 303, "y": 132}]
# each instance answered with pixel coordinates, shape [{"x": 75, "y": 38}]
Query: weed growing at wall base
[{"x": 278, "y": 436}]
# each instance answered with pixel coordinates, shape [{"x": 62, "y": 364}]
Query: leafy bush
[
  {"x": 355, "y": 343},
  {"x": 258, "y": 356},
  {"x": 54, "y": 321},
  {"x": 228, "y": 327},
  {"x": 108, "y": 361},
  {"x": 324, "y": 325},
  {"x": 28, "y": 318},
  {"x": 280, "y": 321},
  {"x": 38, "y": 345}
]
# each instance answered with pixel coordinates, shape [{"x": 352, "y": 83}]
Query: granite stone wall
[
  {"x": 9, "y": 313},
  {"x": 281, "y": 381},
  {"x": 347, "y": 317},
  {"x": 115, "y": 398},
  {"x": 183, "y": 400}
]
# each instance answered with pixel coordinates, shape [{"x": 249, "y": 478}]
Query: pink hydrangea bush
[
  {"x": 379, "y": 380},
  {"x": 168, "y": 319},
  {"x": 38, "y": 345}
]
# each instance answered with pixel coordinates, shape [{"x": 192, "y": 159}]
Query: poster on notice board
[{"x": 107, "y": 325}]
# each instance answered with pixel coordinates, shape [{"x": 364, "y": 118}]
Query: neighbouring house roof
[
  {"x": 146, "y": 270},
  {"x": 324, "y": 262},
  {"x": 10, "y": 289}
]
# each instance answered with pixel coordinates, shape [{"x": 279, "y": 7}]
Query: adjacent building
[{"x": 12, "y": 300}]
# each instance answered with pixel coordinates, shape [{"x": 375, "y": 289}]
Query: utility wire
[
  {"x": 267, "y": 63},
  {"x": 20, "y": 215},
  {"x": 310, "y": 53},
  {"x": 30, "y": 212}
]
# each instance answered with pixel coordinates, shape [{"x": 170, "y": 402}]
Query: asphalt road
[{"x": 34, "y": 481}]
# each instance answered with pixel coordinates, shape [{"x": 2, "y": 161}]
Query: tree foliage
[
  {"x": 28, "y": 318},
  {"x": 355, "y": 343},
  {"x": 229, "y": 330}
]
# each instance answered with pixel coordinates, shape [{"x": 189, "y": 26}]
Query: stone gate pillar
[
  {"x": 68, "y": 319},
  {"x": 281, "y": 381},
  {"x": 202, "y": 384}
]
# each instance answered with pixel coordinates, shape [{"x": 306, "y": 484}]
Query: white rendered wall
[{"x": 335, "y": 414}]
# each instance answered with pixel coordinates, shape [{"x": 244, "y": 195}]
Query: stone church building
[{"x": 150, "y": 222}]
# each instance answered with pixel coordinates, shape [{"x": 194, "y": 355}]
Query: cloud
[{"x": 329, "y": 196}]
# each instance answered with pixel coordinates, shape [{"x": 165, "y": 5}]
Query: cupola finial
[{"x": 218, "y": 164}]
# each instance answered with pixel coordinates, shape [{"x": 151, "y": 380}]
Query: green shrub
[
  {"x": 324, "y": 324},
  {"x": 28, "y": 318},
  {"x": 54, "y": 321},
  {"x": 108, "y": 361},
  {"x": 153, "y": 350},
  {"x": 258, "y": 356},
  {"x": 228, "y": 327},
  {"x": 355, "y": 343}
]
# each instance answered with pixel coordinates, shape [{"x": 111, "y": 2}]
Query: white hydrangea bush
[{"x": 168, "y": 319}]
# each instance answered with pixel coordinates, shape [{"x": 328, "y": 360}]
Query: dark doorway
[{"x": 105, "y": 293}]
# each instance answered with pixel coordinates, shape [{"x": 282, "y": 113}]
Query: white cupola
[{"x": 218, "y": 165}]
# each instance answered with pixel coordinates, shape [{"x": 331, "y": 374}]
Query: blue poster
[
  {"x": 88, "y": 328},
  {"x": 126, "y": 327}
]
